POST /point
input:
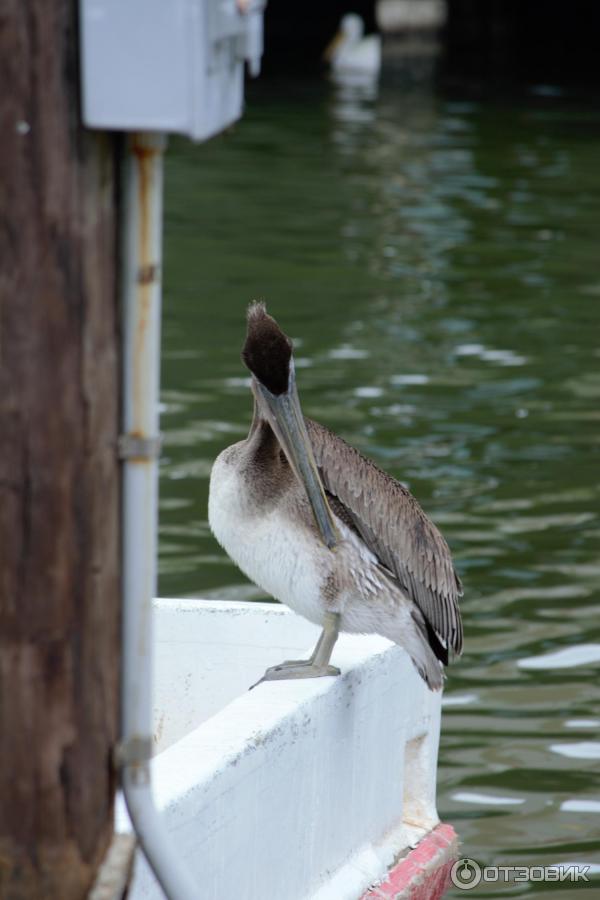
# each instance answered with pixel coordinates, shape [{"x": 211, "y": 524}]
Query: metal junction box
[{"x": 167, "y": 65}]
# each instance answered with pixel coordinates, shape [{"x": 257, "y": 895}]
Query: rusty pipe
[{"x": 141, "y": 301}]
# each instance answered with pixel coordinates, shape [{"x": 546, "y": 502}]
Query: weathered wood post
[{"x": 59, "y": 487}]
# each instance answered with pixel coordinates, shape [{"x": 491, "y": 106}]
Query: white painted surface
[
  {"x": 296, "y": 789},
  {"x": 208, "y": 652}
]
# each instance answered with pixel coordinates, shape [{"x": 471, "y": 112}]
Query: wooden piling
[{"x": 59, "y": 478}]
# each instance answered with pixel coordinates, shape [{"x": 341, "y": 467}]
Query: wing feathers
[{"x": 395, "y": 528}]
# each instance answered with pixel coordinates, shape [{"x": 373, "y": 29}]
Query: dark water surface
[{"x": 438, "y": 265}]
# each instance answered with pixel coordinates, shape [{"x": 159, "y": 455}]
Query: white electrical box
[{"x": 167, "y": 65}]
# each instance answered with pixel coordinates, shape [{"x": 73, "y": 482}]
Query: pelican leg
[
  {"x": 317, "y": 665},
  {"x": 294, "y": 663}
]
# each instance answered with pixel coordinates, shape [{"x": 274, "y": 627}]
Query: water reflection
[
  {"x": 579, "y": 655},
  {"x": 486, "y": 799},
  {"x": 438, "y": 261},
  {"x": 581, "y": 806}
]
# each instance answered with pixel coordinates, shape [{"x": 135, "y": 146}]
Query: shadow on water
[{"x": 437, "y": 265}]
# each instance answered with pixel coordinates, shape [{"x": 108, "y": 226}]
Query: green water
[{"x": 438, "y": 265}]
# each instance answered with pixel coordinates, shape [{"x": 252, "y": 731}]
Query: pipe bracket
[
  {"x": 131, "y": 446},
  {"x": 135, "y": 751}
]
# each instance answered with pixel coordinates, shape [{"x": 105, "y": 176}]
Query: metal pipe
[{"x": 141, "y": 296}]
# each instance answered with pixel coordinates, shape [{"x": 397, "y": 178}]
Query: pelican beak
[
  {"x": 329, "y": 51},
  {"x": 284, "y": 414}
]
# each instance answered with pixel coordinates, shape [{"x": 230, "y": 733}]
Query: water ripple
[{"x": 437, "y": 265}]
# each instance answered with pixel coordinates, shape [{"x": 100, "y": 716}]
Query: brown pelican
[{"x": 325, "y": 531}]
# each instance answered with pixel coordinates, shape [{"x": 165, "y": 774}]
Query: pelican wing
[{"x": 396, "y": 530}]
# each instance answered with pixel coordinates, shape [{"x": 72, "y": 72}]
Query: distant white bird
[{"x": 351, "y": 53}]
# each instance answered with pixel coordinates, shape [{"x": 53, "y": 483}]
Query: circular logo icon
[{"x": 465, "y": 874}]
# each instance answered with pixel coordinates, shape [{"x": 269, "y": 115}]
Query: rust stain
[
  {"x": 148, "y": 274},
  {"x": 142, "y": 151},
  {"x": 145, "y": 158},
  {"x": 138, "y": 434}
]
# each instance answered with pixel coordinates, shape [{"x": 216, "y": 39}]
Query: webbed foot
[
  {"x": 318, "y": 664},
  {"x": 296, "y": 668}
]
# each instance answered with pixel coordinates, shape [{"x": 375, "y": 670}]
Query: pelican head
[
  {"x": 268, "y": 354},
  {"x": 352, "y": 28},
  {"x": 349, "y": 34}
]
